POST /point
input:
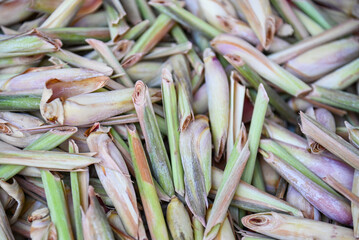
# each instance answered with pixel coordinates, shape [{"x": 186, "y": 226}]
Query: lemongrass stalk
[
  {"x": 278, "y": 44},
  {"x": 277, "y": 132},
  {"x": 154, "y": 144},
  {"x": 312, "y": 27},
  {"x": 113, "y": 169},
  {"x": 145, "y": 10},
  {"x": 282, "y": 188},
  {"x": 63, "y": 14},
  {"x": 200, "y": 101},
  {"x": 116, "y": 225},
  {"x": 293, "y": 197},
  {"x": 237, "y": 95},
  {"x": 47, "y": 141},
  {"x": 192, "y": 56},
  {"x": 97, "y": 19},
  {"x": 335, "y": 98},
  {"x": 273, "y": 147},
  {"x": 217, "y": 85},
  {"x": 122, "y": 146},
  {"x": 34, "y": 41},
  {"x": 144, "y": 71},
  {"x": 282, "y": 226},
  {"x": 231, "y": 177},
  {"x": 107, "y": 55},
  {"x": 161, "y": 52},
  {"x": 341, "y": 78},
  {"x": 116, "y": 21},
  {"x": 329, "y": 140},
  {"x": 321, "y": 60},
  {"x": 355, "y": 210},
  {"x": 254, "y": 80},
  {"x": 342, "y": 190},
  {"x": 286, "y": 11},
  {"x": 198, "y": 229},
  {"x": 131, "y": 7},
  {"x": 194, "y": 176},
  {"x": 178, "y": 220},
  {"x": 5, "y": 229},
  {"x": 14, "y": 12},
  {"x": 41, "y": 225},
  {"x": 89, "y": 108},
  {"x": 169, "y": 99},
  {"x": 184, "y": 17},
  {"x": 94, "y": 220},
  {"x": 336, "y": 32},
  {"x": 322, "y": 165},
  {"x": 327, "y": 203},
  {"x": 55, "y": 198},
  {"x": 315, "y": 13},
  {"x": 20, "y": 103},
  {"x": 258, "y": 180},
  {"x": 184, "y": 90},
  {"x": 36, "y": 79},
  {"x": 76, "y": 197},
  {"x": 136, "y": 30},
  {"x": 238, "y": 48},
  {"x": 261, "y": 20},
  {"x": 270, "y": 177},
  {"x": 17, "y": 195},
  {"x": 151, "y": 204},
  {"x": 148, "y": 39},
  {"x": 18, "y": 61},
  {"x": 82, "y": 62},
  {"x": 260, "y": 108},
  {"x": 77, "y": 35}
]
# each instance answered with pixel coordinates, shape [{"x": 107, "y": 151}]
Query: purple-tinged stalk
[
  {"x": 231, "y": 45},
  {"x": 327, "y": 203},
  {"x": 14, "y": 11},
  {"x": 282, "y": 226},
  {"x": 294, "y": 198},
  {"x": 218, "y": 101},
  {"x": 150, "y": 202},
  {"x": 160, "y": 164}
]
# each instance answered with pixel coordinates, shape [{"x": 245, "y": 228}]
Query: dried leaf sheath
[
  {"x": 160, "y": 165},
  {"x": 150, "y": 201}
]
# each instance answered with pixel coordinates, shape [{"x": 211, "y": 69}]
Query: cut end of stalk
[
  {"x": 269, "y": 32},
  {"x": 131, "y": 60},
  {"x": 139, "y": 95}
]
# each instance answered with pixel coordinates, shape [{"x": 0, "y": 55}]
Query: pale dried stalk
[
  {"x": 41, "y": 225},
  {"x": 281, "y": 226},
  {"x": 15, "y": 192}
]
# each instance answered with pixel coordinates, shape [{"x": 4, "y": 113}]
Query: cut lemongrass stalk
[
  {"x": 297, "y": 200},
  {"x": 330, "y": 205},
  {"x": 55, "y": 198},
  {"x": 335, "y": 98},
  {"x": 312, "y": 27},
  {"x": 76, "y": 35},
  {"x": 223, "y": 230},
  {"x": 321, "y": 60},
  {"x": 40, "y": 76},
  {"x": 169, "y": 99},
  {"x": 116, "y": 22},
  {"x": 254, "y": 80},
  {"x": 97, "y": 19},
  {"x": 91, "y": 107},
  {"x": 184, "y": 17},
  {"x": 238, "y": 48},
  {"x": 161, "y": 52},
  {"x": 160, "y": 164},
  {"x": 34, "y": 41},
  {"x": 231, "y": 177},
  {"x": 260, "y": 18},
  {"x": 314, "y": 12},
  {"x": 286, "y": 11},
  {"x": 123, "y": 147},
  {"x": 270, "y": 177},
  {"x": 192, "y": 56},
  {"x": 18, "y": 61},
  {"x": 236, "y": 98},
  {"x": 94, "y": 220},
  {"x": 146, "y": 10},
  {"x": 200, "y": 101},
  {"x": 136, "y": 30},
  {"x": 340, "y": 78},
  {"x": 353, "y": 134},
  {"x": 20, "y": 103},
  {"x": 273, "y": 147},
  {"x": 148, "y": 39},
  {"x": 112, "y": 168},
  {"x": 198, "y": 229},
  {"x": 194, "y": 178},
  {"x": 321, "y": 164},
  {"x": 282, "y": 226},
  {"x": 184, "y": 90},
  {"x": 47, "y": 141},
  {"x": 336, "y": 32},
  {"x": 132, "y": 8},
  {"x": 63, "y": 14},
  {"x": 82, "y": 62},
  {"x": 355, "y": 209},
  {"x": 105, "y": 52},
  {"x": 117, "y": 227},
  {"x": 342, "y": 190},
  {"x": 178, "y": 220},
  {"x": 258, "y": 180},
  {"x": 154, "y": 216},
  {"x": 255, "y": 130},
  {"x": 75, "y": 193},
  {"x": 144, "y": 71},
  {"x": 14, "y": 12}
]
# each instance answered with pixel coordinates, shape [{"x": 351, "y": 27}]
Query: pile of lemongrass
[{"x": 165, "y": 119}]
